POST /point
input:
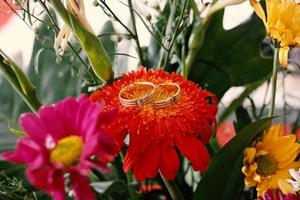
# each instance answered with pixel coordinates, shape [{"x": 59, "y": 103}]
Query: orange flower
[{"x": 156, "y": 132}]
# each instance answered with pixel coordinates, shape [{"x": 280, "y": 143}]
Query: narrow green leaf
[
  {"x": 17, "y": 132},
  {"x": 23, "y": 80},
  {"x": 223, "y": 179},
  {"x": 19, "y": 81}
]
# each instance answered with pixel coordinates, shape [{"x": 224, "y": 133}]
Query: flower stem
[
  {"x": 176, "y": 33},
  {"x": 274, "y": 81},
  {"x": 172, "y": 188},
  {"x": 132, "y": 194},
  {"x": 136, "y": 38}
]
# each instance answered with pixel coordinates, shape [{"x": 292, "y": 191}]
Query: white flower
[
  {"x": 295, "y": 182},
  {"x": 150, "y": 9}
]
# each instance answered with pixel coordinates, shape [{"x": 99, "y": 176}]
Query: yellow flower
[
  {"x": 282, "y": 24},
  {"x": 269, "y": 160}
]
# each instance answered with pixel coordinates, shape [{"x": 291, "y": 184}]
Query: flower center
[
  {"x": 266, "y": 165},
  {"x": 67, "y": 151}
]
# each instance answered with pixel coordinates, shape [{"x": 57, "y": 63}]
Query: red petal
[
  {"x": 195, "y": 151},
  {"x": 169, "y": 164},
  {"x": 146, "y": 164}
]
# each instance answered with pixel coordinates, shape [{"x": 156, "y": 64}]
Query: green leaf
[
  {"x": 22, "y": 78},
  {"x": 230, "y": 57},
  {"x": 93, "y": 47},
  {"x": 224, "y": 179},
  {"x": 242, "y": 118},
  {"x": 19, "y": 81},
  {"x": 17, "y": 132},
  {"x": 113, "y": 188},
  {"x": 109, "y": 187}
]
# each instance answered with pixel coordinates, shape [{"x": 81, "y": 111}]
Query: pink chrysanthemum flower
[
  {"x": 277, "y": 194},
  {"x": 65, "y": 138}
]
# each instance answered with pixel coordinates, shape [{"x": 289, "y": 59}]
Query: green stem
[
  {"x": 194, "y": 8},
  {"x": 274, "y": 81},
  {"x": 175, "y": 34},
  {"x": 133, "y": 195},
  {"x": 168, "y": 32},
  {"x": 115, "y": 17},
  {"x": 172, "y": 188},
  {"x": 136, "y": 37}
]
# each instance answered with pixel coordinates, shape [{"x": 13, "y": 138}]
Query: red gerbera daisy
[{"x": 156, "y": 132}]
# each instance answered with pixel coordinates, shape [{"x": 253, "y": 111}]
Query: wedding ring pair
[{"x": 148, "y": 93}]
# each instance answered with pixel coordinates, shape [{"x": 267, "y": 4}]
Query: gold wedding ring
[
  {"x": 126, "y": 94},
  {"x": 169, "y": 100},
  {"x": 150, "y": 93}
]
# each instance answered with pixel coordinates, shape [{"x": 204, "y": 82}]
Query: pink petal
[
  {"x": 49, "y": 179},
  {"x": 107, "y": 117},
  {"x": 33, "y": 126},
  {"x": 58, "y": 195},
  {"x": 106, "y": 147},
  {"x": 58, "y": 185},
  {"x": 52, "y": 122},
  {"x": 81, "y": 188},
  {"x": 26, "y": 152},
  {"x": 68, "y": 109},
  {"x": 39, "y": 177},
  {"x": 87, "y": 117}
]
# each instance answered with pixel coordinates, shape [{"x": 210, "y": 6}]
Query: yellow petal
[
  {"x": 284, "y": 147},
  {"x": 259, "y": 11},
  {"x": 283, "y": 56},
  {"x": 249, "y": 154},
  {"x": 285, "y": 187}
]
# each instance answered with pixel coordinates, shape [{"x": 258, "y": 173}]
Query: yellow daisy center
[
  {"x": 266, "y": 165},
  {"x": 67, "y": 151}
]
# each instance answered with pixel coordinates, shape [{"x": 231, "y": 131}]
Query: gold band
[
  {"x": 170, "y": 100},
  {"x": 150, "y": 96},
  {"x": 140, "y": 101}
]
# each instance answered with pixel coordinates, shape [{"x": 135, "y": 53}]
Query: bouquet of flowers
[{"x": 100, "y": 115}]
